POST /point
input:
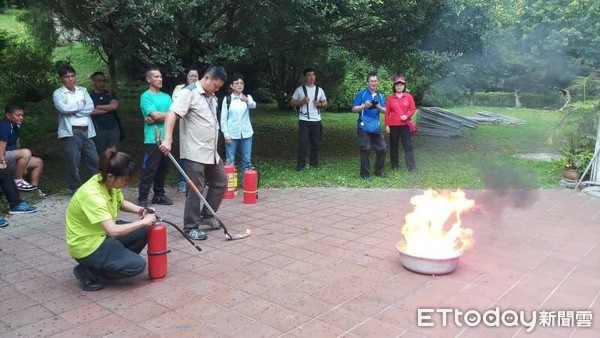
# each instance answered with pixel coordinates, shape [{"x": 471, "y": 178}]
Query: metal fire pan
[{"x": 428, "y": 266}]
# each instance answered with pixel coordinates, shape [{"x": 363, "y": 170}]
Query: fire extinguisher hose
[{"x": 178, "y": 229}]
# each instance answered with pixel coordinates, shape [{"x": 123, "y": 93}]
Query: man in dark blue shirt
[
  {"x": 104, "y": 115},
  {"x": 18, "y": 160}
]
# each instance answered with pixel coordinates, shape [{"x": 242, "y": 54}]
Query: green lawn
[
  {"x": 9, "y": 22},
  {"x": 441, "y": 162}
]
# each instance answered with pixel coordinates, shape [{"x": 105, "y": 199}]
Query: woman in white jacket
[{"x": 235, "y": 123}]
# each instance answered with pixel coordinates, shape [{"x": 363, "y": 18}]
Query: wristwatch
[{"x": 2, "y": 161}]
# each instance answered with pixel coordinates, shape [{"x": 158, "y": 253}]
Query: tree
[{"x": 276, "y": 39}]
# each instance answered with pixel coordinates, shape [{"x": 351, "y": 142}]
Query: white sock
[{"x": 18, "y": 180}]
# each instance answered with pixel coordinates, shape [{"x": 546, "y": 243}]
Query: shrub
[
  {"x": 528, "y": 100},
  {"x": 26, "y": 69},
  {"x": 495, "y": 99}
]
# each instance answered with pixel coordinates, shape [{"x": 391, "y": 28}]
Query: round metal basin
[{"x": 428, "y": 266}]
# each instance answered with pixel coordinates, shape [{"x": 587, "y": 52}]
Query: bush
[
  {"x": 356, "y": 80},
  {"x": 528, "y": 100},
  {"x": 26, "y": 69},
  {"x": 542, "y": 101},
  {"x": 495, "y": 99}
]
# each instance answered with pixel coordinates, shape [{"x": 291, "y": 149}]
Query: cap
[{"x": 399, "y": 79}]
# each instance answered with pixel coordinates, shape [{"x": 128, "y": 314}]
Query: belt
[{"x": 79, "y": 127}]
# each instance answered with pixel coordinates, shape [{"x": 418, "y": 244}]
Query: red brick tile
[
  {"x": 226, "y": 321},
  {"x": 8, "y": 291},
  {"x": 134, "y": 332},
  {"x": 85, "y": 314},
  {"x": 254, "y": 286},
  {"x": 256, "y": 330},
  {"x": 45, "y": 327},
  {"x": 310, "y": 306},
  {"x": 283, "y": 319},
  {"x": 255, "y": 307},
  {"x": 142, "y": 311},
  {"x": 315, "y": 328},
  {"x": 376, "y": 328},
  {"x": 258, "y": 254},
  {"x": 168, "y": 323},
  {"x": 66, "y": 303},
  {"x": 105, "y": 326},
  {"x": 197, "y": 309},
  {"x": 174, "y": 298},
  {"x": 26, "y": 316},
  {"x": 15, "y": 303},
  {"x": 366, "y": 305},
  {"x": 228, "y": 297},
  {"x": 23, "y": 275}
]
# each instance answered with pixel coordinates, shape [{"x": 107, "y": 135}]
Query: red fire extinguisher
[
  {"x": 250, "y": 186},
  {"x": 231, "y": 172},
  {"x": 157, "y": 250}
]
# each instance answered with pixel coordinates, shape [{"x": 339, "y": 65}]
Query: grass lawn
[
  {"x": 9, "y": 22},
  {"x": 441, "y": 162}
]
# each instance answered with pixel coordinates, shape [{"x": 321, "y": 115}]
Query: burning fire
[{"x": 425, "y": 231}]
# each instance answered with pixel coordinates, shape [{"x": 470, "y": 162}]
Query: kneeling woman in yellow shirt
[{"x": 106, "y": 250}]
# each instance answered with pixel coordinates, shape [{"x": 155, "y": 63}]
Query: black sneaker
[
  {"x": 162, "y": 200},
  {"x": 88, "y": 283},
  {"x": 143, "y": 203}
]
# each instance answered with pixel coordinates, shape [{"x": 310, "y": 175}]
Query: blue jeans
[{"x": 245, "y": 147}]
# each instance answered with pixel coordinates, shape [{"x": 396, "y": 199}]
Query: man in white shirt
[
  {"x": 309, "y": 99},
  {"x": 75, "y": 127}
]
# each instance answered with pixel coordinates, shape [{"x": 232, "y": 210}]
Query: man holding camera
[
  {"x": 369, "y": 103},
  {"x": 309, "y": 99}
]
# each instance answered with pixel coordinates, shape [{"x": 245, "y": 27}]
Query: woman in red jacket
[{"x": 400, "y": 107}]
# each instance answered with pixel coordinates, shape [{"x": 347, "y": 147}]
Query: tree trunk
[
  {"x": 471, "y": 97},
  {"x": 112, "y": 70},
  {"x": 517, "y": 99},
  {"x": 567, "y": 96}
]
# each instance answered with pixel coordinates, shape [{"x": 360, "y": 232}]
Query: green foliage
[
  {"x": 356, "y": 80},
  {"x": 528, "y": 100},
  {"x": 575, "y": 134},
  {"x": 495, "y": 99},
  {"x": 26, "y": 69},
  {"x": 82, "y": 59}
]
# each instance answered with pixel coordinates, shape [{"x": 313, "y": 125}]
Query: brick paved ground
[{"x": 319, "y": 263}]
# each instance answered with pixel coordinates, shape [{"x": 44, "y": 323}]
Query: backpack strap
[
  {"x": 306, "y": 95},
  {"x": 228, "y": 101},
  {"x": 316, "y": 98}
]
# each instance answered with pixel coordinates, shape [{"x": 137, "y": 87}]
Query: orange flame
[{"x": 424, "y": 231}]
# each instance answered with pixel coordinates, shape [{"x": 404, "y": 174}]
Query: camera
[{"x": 374, "y": 103}]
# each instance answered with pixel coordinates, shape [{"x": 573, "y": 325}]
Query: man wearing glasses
[
  {"x": 104, "y": 115},
  {"x": 369, "y": 103}
]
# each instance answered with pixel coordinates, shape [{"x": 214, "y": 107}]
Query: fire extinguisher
[
  {"x": 250, "y": 186},
  {"x": 157, "y": 250},
  {"x": 231, "y": 172}
]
